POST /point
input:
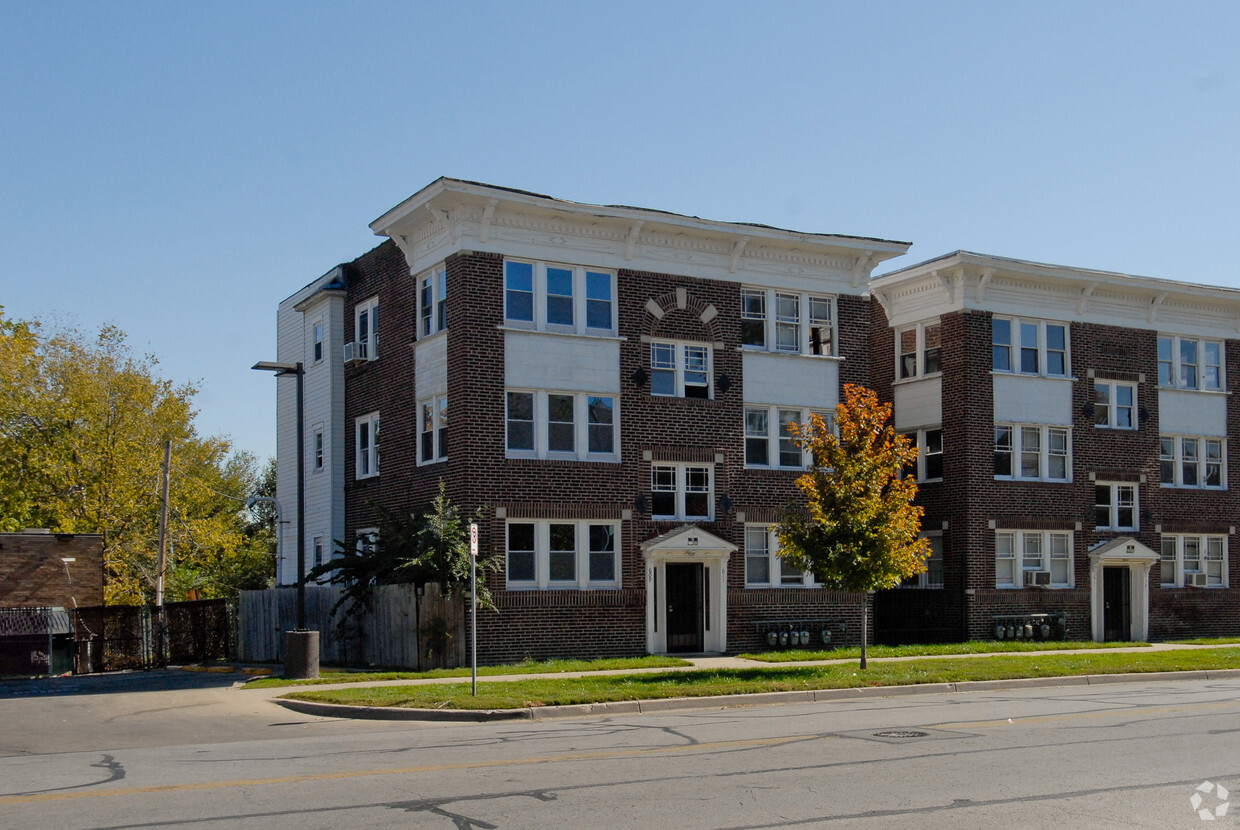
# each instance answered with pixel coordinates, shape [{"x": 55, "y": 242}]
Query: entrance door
[
  {"x": 684, "y": 607},
  {"x": 1116, "y": 613}
]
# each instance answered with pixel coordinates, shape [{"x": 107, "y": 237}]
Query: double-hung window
[
  {"x": 366, "y": 445},
  {"x": 917, "y": 350},
  {"x": 366, "y": 330},
  {"x": 433, "y": 430},
  {"x": 1018, "y": 552},
  {"x": 1185, "y": 556},
  {"x": 682, "y": 492},
  {"x": 1192, "y": 461},
  {"x": 764, "y": 567},
  {"x": 576, "y": 425},
  {"x": 1190, "y": 363},
  {"x": 562, "y": 298},
  {"x": 318, "y": 449},
  {"x": 1029, "y": 347},
  {"x": 1033, "y": 453},
  {"x": 787, "y": 321},
  {"x": 563, "y": 554},
  {"x": 1115, "y": 404},
  {"x": 318, "y": 340},
  {"x": 929, "y": 463},
  {"x": 433, "y": 301},
  {"x": 1115, "y": 506},
  {"x": 768, "y": 436},
  {"x": 679, "y": 369},
  {"x": 932, "y": 576}
]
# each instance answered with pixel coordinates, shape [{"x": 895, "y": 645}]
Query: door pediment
[
  {"x": 1124, "y": 550},
  {"x": 686, "y": 541}
]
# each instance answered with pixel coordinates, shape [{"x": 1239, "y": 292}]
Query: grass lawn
[
  {"x": 561, "y": 691},
  {"x": 526, "y": 667},
  {"x": 1208, "y": 641},
  {"x": 971, "y": 647}
]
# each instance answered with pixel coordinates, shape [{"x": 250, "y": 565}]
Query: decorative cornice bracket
[
  {"x": 982, "y": 282},
  {"x": 1083, "y": 302},
  {"x": 630, "y": 241},
  {"x": 1156, "y": 304},
  {"x": 487, "y": 215},
  {"x": 738, "y": 251}
]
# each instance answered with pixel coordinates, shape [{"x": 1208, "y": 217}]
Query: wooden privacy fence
[{"x": 388, "y": 635}]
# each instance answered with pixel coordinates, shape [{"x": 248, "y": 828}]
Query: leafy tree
[{"x": 858, "y": 528}]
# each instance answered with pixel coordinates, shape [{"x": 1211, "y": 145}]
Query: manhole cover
[{"x": 901, "y": 733}]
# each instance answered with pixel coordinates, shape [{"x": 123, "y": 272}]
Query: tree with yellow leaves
[{"x": 858, "y": 527}]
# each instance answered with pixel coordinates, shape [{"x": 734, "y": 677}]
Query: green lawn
[
  {"x": 971, "y": 647},
  {"x": 1208, "y": 641},
  {"x": 526, "y": 667},
  {"x": 595, "y": 689}
]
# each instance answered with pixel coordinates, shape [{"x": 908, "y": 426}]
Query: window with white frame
[
  {"x": 366, "y": 329},
  {"x": 1184, "y": 555},
  {"x": 318, "y": 449},
  {"x": 917, "y": 351},
  {"x": 552, "y": 553},
  {"x": 366, "y": 539},
  {"x": 433, "y": 430},
  {"x": 1190, "y": 363},
  {"x": 764, "y": 567},
  {"x": 433, "y": 301},
  {"x": 1115, "y": 404},
  {"x": 1018, "y": 552},
  {"x": 366, "y": 445},
  {"x": 768, "y": 436},
  {"x": 929, "y": 463},
  {"x": 1029, "y": 347},
  {"x": 682, "y": 492},
  {"x": 319, "y": 555},
  {"x": 1192, "y": 461},
  {"x": 787, "y": 321},
  {"x": 679, "y": 369},
  {"x": 932, "y": 576},
  {"x": 317, "y": 335},
  {"x": 1115, "y": 506},
  {"x": 564, "y": 298},
  {"x": 1028, "y": 452},
  {"x": 576, "y": 425}
]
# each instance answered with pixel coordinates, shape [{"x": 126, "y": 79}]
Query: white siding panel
[
  {"x": 556, "y": 361},
  {"x": 1032, "y": 400},
  {"x": 918, "y": 403},
  {"x": 1192, "y": 413},
  {"x": 430, "y": 359},
  {"x": 790, "y": 379}
]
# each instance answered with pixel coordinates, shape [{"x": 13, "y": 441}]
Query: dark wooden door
[
  {"x": 684, "y": 607},
  {"x": 1116, "y": 609}
]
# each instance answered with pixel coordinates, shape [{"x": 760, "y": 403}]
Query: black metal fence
[{"x": 118, "y": 637}]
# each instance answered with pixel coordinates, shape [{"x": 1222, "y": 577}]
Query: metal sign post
[{"x": 473, "y": 604}]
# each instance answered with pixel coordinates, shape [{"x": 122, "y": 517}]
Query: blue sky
[{"x": 176, "y": 169}]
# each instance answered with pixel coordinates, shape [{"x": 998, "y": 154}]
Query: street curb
[{"x": 674, "y": 704}]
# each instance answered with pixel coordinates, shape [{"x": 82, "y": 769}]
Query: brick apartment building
[{"x": 618, "y": 378}]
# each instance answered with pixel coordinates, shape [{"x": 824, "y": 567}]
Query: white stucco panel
[
  {"x": 812, "y": 382},
  {"x": 918, "y": 403},
  {"x": 557, "y": 361},
  {"x": 430, "y": 362},
  {"x": 1022, "y": 399},
  {"x": 1182, "y": 412}
]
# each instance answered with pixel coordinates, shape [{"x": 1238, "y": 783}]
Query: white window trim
[
  {"x": 1177, "y": 461},
  {"x": 805, "y": 346},
  {"x": 318, "y": 450},
  {"x": 918, "y": 436},
  {"x": 1113, "y": 406},
  {"x": 919, "y": 352},
  {"x": 580, "y": 300},
  {"x": 774, "y": 562},
  {"x": 1044, "y": 453},
  {"x": 1018, "y": 556},
  {"x": 1016, "y": 344},
  {"x": 1177, "y": 565},
  {"x": 318, "y": 338},
  {"x": 437, "y": 403},
  {"x": 773, "y": 435},
  {"x": 437, "y": 276},
  {"x": 372, "y": 452},
  {"x": 682, "y": 481},
  {"x": 680, "y": 361},
  {"x": 542, "y": 555},
  {"x": 371, "y": 344},
  {"x": 923, "y": 580},
  {"x": 1113, "y": 521},
  {"x": 581, "y": 427},
  {"x": 1175, "y": 364}
]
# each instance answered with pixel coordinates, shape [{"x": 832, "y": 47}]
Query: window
[
  {"x": 1115, "y": 404},
  {"x": 929, "y": 463},
  {"x": 767, "y": 447},
  {"x": 563, "y": 554},
  {"x": 433, "y": 430},
  {"x": 562, "y": 425},
  {"x": 680, "y": 370},
  {"x": 1115, "y": 506},
  {"x": 565, "y": 298},
  {"x": 1032, "y": 453},
  {"x": 932, "y": 577},
  {"x": 1191, "y": 461},
  {"x": 367, "y": 445},
  {"x": 318, "y": 340},
  {"x": 367, "y": 539},
  {"x": 786, "y": 321},
  {"x": 366, "y": 329},
  {"x": 764, "y": 567},
  {"x": 318, "y": 449},
  {"x": 1184, "y": 555},
  {"x": 1020, "y": 551},
  {"x": 319, "y": 557},
  {"x": 433, "y": 302},
  {"x": 918, "y": 351},
  {"x": 1029, "y": 347},
  {"x": 681, "y": 491},
  {"x": 1187, "y": 363}
]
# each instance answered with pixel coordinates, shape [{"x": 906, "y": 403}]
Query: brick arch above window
[{"x": 674, "y": 309}]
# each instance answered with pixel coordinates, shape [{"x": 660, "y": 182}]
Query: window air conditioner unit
[
  {"x": 1037, "y": 578},
  {"x": 354, "y": 352},
  {"x": 1196, "y": 580}
]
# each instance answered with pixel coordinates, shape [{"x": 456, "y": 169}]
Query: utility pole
[{"x": 163, "y": 555}]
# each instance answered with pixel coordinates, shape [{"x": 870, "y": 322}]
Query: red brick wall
[{"x": 32, "y": 572}]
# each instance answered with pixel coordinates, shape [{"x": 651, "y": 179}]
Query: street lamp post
[{"x": 301, "y": 647}]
